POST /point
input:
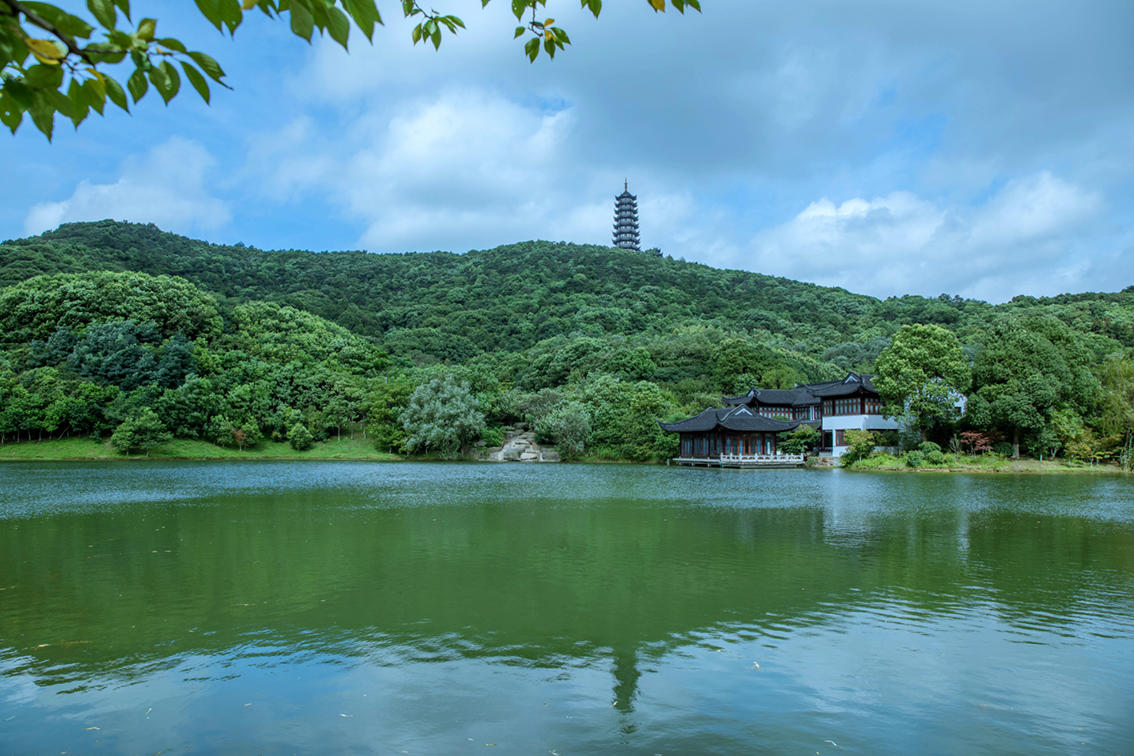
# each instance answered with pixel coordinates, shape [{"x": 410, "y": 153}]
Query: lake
[{"x": 473, "y": 608}]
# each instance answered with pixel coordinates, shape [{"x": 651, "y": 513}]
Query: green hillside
[
  {"x": 590, "y": 327},
  {"x": 509, "y": 298}
]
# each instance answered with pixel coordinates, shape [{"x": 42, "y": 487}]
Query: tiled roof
[{"x": 731, "y": 418}]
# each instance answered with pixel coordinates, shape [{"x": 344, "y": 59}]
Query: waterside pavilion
[{"x": 733, "y": 437}]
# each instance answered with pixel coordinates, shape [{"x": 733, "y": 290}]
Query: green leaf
[
  {"x": 197, "y": 80},
  {"x": 95, "y": 91},
  {"x": 70, "y": 25},
  {"x": 338, "y": 26},
  {"x": 137, "y": 84},
  {"x": 166, "y": 80},
  {"x": 302, "y": 23},
  {"x": 210, "y": 9},
  {"x": 519, "y": 32},
  {"x": 531, "y": 47},
  {"x": 43, "y": 116},
  {"x": 519, "y": 7},
  {"x": 415, "y": 35},
  {"x": 365, "y": 15},
  {"x": 211, "y": 68},
  {"x": 115, "y": 93},
  {"x": 41, "y": 76},
  {"x": 170, "y": 43},
  {"x": 10, "y": 113},
  {"x": 146, "y": 28},
  {"x": 77, "y": 99},
  {"x": 104, "y": 12},
  {"x": 124, "y": 6}
]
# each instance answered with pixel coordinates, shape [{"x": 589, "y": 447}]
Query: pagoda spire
[{"x": 626, "y": 219}]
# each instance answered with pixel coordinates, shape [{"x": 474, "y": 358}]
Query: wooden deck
[{"x": 744, "y": 460}]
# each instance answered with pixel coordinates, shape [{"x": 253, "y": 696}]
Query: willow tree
[{"x": 53, "y": 61}]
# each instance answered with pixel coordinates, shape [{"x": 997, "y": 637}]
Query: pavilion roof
[{"x": 738, "y": 418}]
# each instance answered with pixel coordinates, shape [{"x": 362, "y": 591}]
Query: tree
[
  {"x": 801, "y": 440},
  {"x": 1017, "y": 380},
  {"x": 922, "y": 373},
  {"x": 140, "y": 433},
  {"x": 300, "y": 438},
  {"x": 53, "y": 61},
  {"x": 861, "y": 443},
  {"x": 567, "y": 426},
  {"x": 442, "y": 416}
]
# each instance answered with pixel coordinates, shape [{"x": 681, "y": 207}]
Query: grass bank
[
  {"x": 987, "y": 463},
  {"x": 86, "y": 449}
]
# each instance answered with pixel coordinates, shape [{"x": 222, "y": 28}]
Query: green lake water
[{"x": 573, "y": 609}]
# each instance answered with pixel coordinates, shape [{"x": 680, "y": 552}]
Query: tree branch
[{"x": 35, "y": 19}]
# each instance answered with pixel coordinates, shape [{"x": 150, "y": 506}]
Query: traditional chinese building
[
  {"x": 752, "y": 423},
  {"x": 732, "y": 437},
  {"x": 626, "y": 219}
]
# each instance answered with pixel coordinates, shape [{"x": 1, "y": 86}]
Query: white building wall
[{"x": 856, "y": 422}]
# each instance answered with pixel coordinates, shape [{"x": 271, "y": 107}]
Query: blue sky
[{"x": 887, "y": 146}]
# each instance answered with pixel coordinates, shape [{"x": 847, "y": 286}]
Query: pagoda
[{"x": 626, "y": 219}]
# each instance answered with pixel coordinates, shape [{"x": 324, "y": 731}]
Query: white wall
[{"x": 859, "y": 422}]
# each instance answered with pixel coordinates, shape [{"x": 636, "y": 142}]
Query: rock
[{"x": 529, "y": 456}]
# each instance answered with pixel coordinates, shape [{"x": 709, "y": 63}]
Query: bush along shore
[{"x": 929, "y": 457}]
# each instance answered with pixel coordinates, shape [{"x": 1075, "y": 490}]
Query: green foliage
[
  {"x": 568, "y": 426},
  {"x": 1022, "y": 376},
  {"x": 383, "y": 416},
  {"x": 38, "y": 307},
  {"x": 140, "y": 433},
  {"x": 914, "y": 458},
  {"x": 800, "y": 441},
  {"x": 922, "y": 374},
  {"x": 53, "y": 61},
  {"x": 299, "y": 438},
  {"x": 861, "y": 443},
  {"x": 928, "y": 447},
  {"x": 935, "y": 457},
  {"x": 199, "y": 332},
  {"x": 442, "y": 417}
]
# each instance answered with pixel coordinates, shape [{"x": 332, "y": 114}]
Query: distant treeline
[{"x": 105, "y": 322}]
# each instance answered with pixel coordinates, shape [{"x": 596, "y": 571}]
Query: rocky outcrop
[{"x": 521, "y": 446}]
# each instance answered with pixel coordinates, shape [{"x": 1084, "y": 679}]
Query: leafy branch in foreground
[{"x": 52, "y": 61}]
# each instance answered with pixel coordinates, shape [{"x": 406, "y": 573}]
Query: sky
[{"x": 981, "y": 148}]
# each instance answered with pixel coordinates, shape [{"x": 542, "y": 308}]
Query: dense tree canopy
[
  {"x": 588, "y": 346},
  {"x": 923, "y": 374},
  {"x": 54, "y": 61}
]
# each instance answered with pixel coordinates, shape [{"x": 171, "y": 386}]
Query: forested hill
[
  {"x": 452, "y": 307},
  {"x": 122, "y": 330}
]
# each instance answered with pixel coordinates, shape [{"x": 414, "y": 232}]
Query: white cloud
[
  {"x": 1033, "y": 236},
  {"x": 460, "y": 168},
  {"x": 169, "y": 186}
]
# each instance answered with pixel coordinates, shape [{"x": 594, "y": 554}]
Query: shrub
[
  {"x": 139, "y": 433},
  {"x": 914, "y": 458},
  {"x": 1002, "y": 448},
  {"x": 861, "y": 443},
  {"x": 300, "y": 438},
  {"x": 567, "y": 426},
  {"x": 928, "y": 447},
  {"x": 442, "y": 416},
  {"x": 935, "y": 457},
  {"x": 801, "y": 440}
]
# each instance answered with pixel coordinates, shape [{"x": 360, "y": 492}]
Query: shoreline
[{"x": 360, "y": 450}]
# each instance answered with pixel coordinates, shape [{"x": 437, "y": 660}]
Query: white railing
[{"x": 759, "y": 458}]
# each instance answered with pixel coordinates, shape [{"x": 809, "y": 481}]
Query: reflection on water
[{"x": 435, "y": 608}]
